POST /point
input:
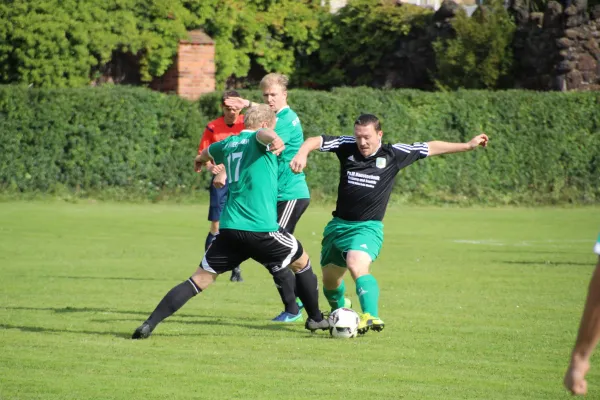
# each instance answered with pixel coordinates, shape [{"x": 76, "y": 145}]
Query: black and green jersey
[{"x": 366, "y": 182}]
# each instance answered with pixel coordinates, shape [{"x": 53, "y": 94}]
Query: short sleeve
[
  {"x": 207, "y": 139},
  {"x": 406, "y": 154},
  {"x": 217, "y": 151},
  {"x": 338, "y": 144}
]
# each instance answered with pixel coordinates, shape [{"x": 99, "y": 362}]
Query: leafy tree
[
  {"x": 360, "y": 36},
  {"x": 480, "y": 54},
  {"x": 65, "y": 43}
]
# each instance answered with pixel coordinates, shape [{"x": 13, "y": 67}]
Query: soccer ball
[{"x": 344, "y": 323}]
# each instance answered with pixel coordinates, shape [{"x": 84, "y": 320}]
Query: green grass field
[{"x": 478, "y": 304}]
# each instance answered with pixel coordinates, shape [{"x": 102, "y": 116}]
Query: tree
[{"x": 480, "y": 54}]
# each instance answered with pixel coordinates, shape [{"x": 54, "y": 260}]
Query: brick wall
[{"x": 193, "y": 71}]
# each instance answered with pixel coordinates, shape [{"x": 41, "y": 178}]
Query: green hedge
[
  {"x": 544, "y": 148},
  {"x": 123, "y": 141}
]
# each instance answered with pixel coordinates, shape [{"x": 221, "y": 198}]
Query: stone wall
[{"x": 558, "y": 49}]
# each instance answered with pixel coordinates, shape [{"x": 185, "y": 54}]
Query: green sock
[
  {"x": 367, "y": 290},
  {"x": 335, "y": 297}
]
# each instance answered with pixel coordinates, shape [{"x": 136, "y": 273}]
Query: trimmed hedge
[
  {"x": 544, "y": 147},
  {"x": 128, "y": 141}
]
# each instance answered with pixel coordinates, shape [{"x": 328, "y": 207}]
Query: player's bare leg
[
  {"x": 587, "y": 338},
  {"x": 174, "y": 300},
  {"x": 334, "y": 287}
]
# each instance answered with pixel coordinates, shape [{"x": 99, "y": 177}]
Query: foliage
[
  {"x": 544, "y": 148},
  {"x": 83, "y": 140},
  {"x": 359, "y": 36},
  {"x": 64, "y": 43},
  {"x": 480, "y": 54}
]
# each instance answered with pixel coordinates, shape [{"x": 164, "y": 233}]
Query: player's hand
[
  {"x": 198, "y": 164},
  {"x": 237, "y": 102},
  {"x": 479, "y": 140},
  {"x": 276, "y": 146},
  {"x": 217, "y": 169},
  {"x": 220, "y": 180},
  {"x": 298, "y": 163},
  {"x": 575, "y": 377}
]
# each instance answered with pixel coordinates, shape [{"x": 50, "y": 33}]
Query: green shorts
[
  {"x": 340, "y": 236},
  {"x": 597, "y": 246}
]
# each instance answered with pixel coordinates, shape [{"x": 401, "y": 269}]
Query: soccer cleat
[
  {"x": 143, "y": 331},
  {"x": 288, "y": 317},
  {"x": 367, "y": 321},
  {"x": 236, "y": 275},
  {"x": 313, "y": 325},
  {"x": 378, "y": 324}
]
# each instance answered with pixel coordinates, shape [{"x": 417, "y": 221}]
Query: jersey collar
[
  {"x": 378, "y": 147},
  {"x": 282, "y": 108}
]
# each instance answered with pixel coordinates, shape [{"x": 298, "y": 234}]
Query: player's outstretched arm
[
  {"x": 299, "y": 161},
  {"x": 437, "y": 147},
  {"x": 587, "y": 338}
]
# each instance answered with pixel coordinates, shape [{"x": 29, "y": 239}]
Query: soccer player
[
  {"x": 587, "y": 338},
  {"x": 248, "y": 225},
  {"x": 230, "y": 123},
  {"x": 293, "y": 196},
  {"x": 353, "y": 238}
]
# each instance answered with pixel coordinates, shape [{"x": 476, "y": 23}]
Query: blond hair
[
  {"x": 274, "y": 79},
  {"x": 257, "y": 115}
]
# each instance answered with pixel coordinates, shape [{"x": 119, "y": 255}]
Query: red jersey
[{"x": 218, "y": 130}]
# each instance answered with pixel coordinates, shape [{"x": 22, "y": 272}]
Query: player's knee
[
  {"x": 203, "y": 278},
  {"x": 358, "y": 263},
  {"x": 332, "y": 276},
  {"x": 300, "y": 262}
]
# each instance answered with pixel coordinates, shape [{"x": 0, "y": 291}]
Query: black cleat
[
  {"x": 236, "y": 275},
  {"x": 313, "y": 325},
  {"x": 143, "y": 331}
]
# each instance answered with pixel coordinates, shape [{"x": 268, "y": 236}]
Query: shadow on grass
[
  {"x": 68, "y": 309},
  {"x": 212, "y": 321},
  {"x": 39, "y": 329},
  {"x": 127, "y": 335},
  {"x": 550, "y": 263}
]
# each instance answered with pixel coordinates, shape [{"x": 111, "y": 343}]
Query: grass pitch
[{"x": 478, "y": 304}]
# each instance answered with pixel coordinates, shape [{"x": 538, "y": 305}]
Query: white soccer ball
[{"x": 344, "y": 323}]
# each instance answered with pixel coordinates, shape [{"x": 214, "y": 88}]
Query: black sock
[
  {"x": 285, "y": 281},
  {"x": 173, "y": 301},
  {"x": 209, "y": 239},
  {"x": 307, "y": 287}
]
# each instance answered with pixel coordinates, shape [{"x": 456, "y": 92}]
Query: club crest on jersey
[{"x": 380, "y": 162}]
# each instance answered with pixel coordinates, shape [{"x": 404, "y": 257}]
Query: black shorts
[
  {"x": 231, "y": 247},
  {"x": 289, "y": 213},
  {"x": 218, "y": 198}
]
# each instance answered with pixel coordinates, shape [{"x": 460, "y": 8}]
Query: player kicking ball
[
  {"x": 248, "y": 226},
  {"x": 353, "y": 238}
]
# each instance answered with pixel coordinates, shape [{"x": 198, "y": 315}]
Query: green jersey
[
  {"x": 252, "y": 177},
  {"x": 291, "y": 186}
]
